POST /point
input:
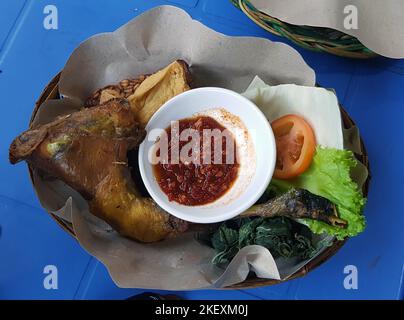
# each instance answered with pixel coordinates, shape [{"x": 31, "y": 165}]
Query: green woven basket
[{"x": 312, "y": 38}]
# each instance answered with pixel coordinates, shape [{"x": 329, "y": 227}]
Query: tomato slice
[{"x": 295, "y": 146}]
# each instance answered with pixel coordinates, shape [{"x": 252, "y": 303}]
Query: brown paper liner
[{"x": 51, "y": 92}]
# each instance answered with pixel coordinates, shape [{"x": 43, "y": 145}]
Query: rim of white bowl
[{"x": 220, "y": 217}]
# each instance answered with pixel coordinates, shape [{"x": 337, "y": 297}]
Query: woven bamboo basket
[
  {"x": 312, "y": 38},
  {"x": 51, "y": 92}
]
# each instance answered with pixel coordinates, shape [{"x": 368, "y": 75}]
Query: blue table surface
[{"x": 372, "y": 91}]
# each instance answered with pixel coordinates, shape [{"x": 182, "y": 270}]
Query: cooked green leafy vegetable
[
  {"x": 329, "y": 176},
  {"x": 283, "y": 237}
]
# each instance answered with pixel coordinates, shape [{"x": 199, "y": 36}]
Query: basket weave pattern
[{"x": 312, "y": 38}]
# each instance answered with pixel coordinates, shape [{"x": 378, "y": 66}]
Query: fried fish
[{"x": 298, "y": 204}]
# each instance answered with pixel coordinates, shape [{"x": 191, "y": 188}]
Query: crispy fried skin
[
  {"x": 123, "y": 90},
  {"x": 88, "y": 151}
]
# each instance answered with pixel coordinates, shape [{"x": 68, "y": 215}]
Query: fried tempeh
[
  {"x": 158, "y": 88},
  {"x": 147, "y": 93}
]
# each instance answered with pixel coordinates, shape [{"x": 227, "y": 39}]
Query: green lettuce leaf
[{"x": 329, "y": 176}]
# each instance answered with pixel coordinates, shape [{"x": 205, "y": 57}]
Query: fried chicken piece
[{"x": 88, "y": 151}]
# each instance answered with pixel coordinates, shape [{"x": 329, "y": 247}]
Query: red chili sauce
[{"x": 191, "y": 183}]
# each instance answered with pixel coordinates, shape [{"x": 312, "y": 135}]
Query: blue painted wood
[
  {"x": 9, "y": 13},
  {"x": 186, "y": 3},
  {"x": 30, "y": 241},
  {"x": 370, "y": 90}
]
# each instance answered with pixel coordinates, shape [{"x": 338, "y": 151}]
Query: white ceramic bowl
[{"x": 245, "y": 191}]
